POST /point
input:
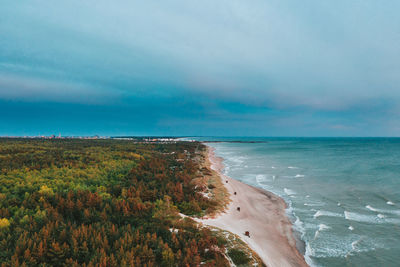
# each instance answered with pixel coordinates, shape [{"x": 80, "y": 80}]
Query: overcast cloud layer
[{"x": 308, "y": 68}]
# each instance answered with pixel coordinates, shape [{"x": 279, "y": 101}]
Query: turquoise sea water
[{"x": 343, "y": 193}]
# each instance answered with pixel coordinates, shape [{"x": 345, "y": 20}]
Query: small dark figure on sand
[
  {"x": 234, "y": 193},
  {"x": 247, "y": 233},
  {"x": 226, "y": 181},
  {"x": 238, "y": 208}
]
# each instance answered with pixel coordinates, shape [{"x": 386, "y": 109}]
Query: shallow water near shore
[{"x": 343, "y": 193}]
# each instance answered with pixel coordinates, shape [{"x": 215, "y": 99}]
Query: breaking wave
[
  {"x": 320, "y": 213},
  {"x": 353, "y": 216},
  {"x": 321, "y": 228},
  {"x": 289, "y": 192}
]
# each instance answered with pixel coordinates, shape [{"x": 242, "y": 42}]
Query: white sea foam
[
  {"x": 371, "y": 208},
  {"x": 289, "y": 192},
  {"x": 315, "y": 204},
  {"x": 353, "y": 216},
  {"x": 379, "y": 218},
  {"x": 261, "y": 178},
  {"x": 237, "y": 160},
  {"x": 292, "y": 167},
  {"x": 364, "y": 244},
  {"x": 321, "y": 228},
  {"x": 390, "y": 203},
  {"x": 392, "y": 220},
  {"x": 298, "y": 225},
  {"x": 394, "y": 212},
  {"x": 334, "y": 246},
  {"x": 298, "y": 176},
  {"x": 355, "y": 243},
  {"x": 272, "y": 167},
  {"x": 308, "y": 254},
  {"x": 320, "y": 213},
  {"x": 289, "y": 209},
  {"x": 351, "y": 228}
]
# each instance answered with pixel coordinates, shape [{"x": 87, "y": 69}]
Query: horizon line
[{"x": 187, "y": 136}]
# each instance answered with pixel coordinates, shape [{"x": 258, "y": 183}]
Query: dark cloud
[{"x": 256, "y": 68}]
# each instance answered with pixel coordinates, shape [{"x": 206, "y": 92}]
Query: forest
[{"x": 76, "y": 202}]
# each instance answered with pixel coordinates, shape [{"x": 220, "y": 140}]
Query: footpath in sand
[{"x": 262, "y": 214}]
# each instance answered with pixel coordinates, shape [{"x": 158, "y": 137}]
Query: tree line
[{"x": 72, "y": 202}]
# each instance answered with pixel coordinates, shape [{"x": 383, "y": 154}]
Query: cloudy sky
[{"x": 225, "y": 67}]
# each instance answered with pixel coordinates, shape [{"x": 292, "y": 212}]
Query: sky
[{"x": 221, "y": 68}]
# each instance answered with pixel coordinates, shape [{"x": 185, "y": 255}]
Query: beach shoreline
[{"x": 262, "y": 214}]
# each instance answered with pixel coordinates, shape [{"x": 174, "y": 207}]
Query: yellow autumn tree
[
  {"x": 44, "y": 189},
  {"x": 4, "y": 223}
]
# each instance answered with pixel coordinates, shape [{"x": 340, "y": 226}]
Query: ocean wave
[
  {"x": 371, "y": 208},
  {"x": 393, "y": 212},
  {"x": 355, "y": 243},
  {"x": 332, "y": 246},
  {"x": 390, "y": 203},
  {"x": 298, "y": 225},
  {"x": 320, "y": 213},
  {"x": 299, "y": 176},
  {"x": 308, "y": 254},
  {"x": 378, "y": 218},
  {"x": 261, "y": 178},
  {"x": 353, "y": 216},
  {"x": 315, "y": 204},
  {"x": 292, "y": 167},
  {"x": 392, "y": 220},
  {"x": 238, "y": 160},
  {"x": 289, "y": 209},
  {"x": 321, "y": 228},
  {"x": 289, "y": 192},
  {"x": 364, "y": 244},
  {"x": 342, "y": 246}
]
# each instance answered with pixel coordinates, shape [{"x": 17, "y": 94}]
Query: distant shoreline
[
  {"x": 262, "y": 214},
  {"x": 244, "y": 142}
]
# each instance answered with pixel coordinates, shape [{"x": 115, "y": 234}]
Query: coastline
[{"x": 262, "y": 214}]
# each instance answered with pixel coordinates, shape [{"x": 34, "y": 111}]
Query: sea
[{"x": 343, "y": 194}]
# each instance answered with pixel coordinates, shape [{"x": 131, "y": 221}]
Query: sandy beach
[{"x": 262, "y": 214}]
